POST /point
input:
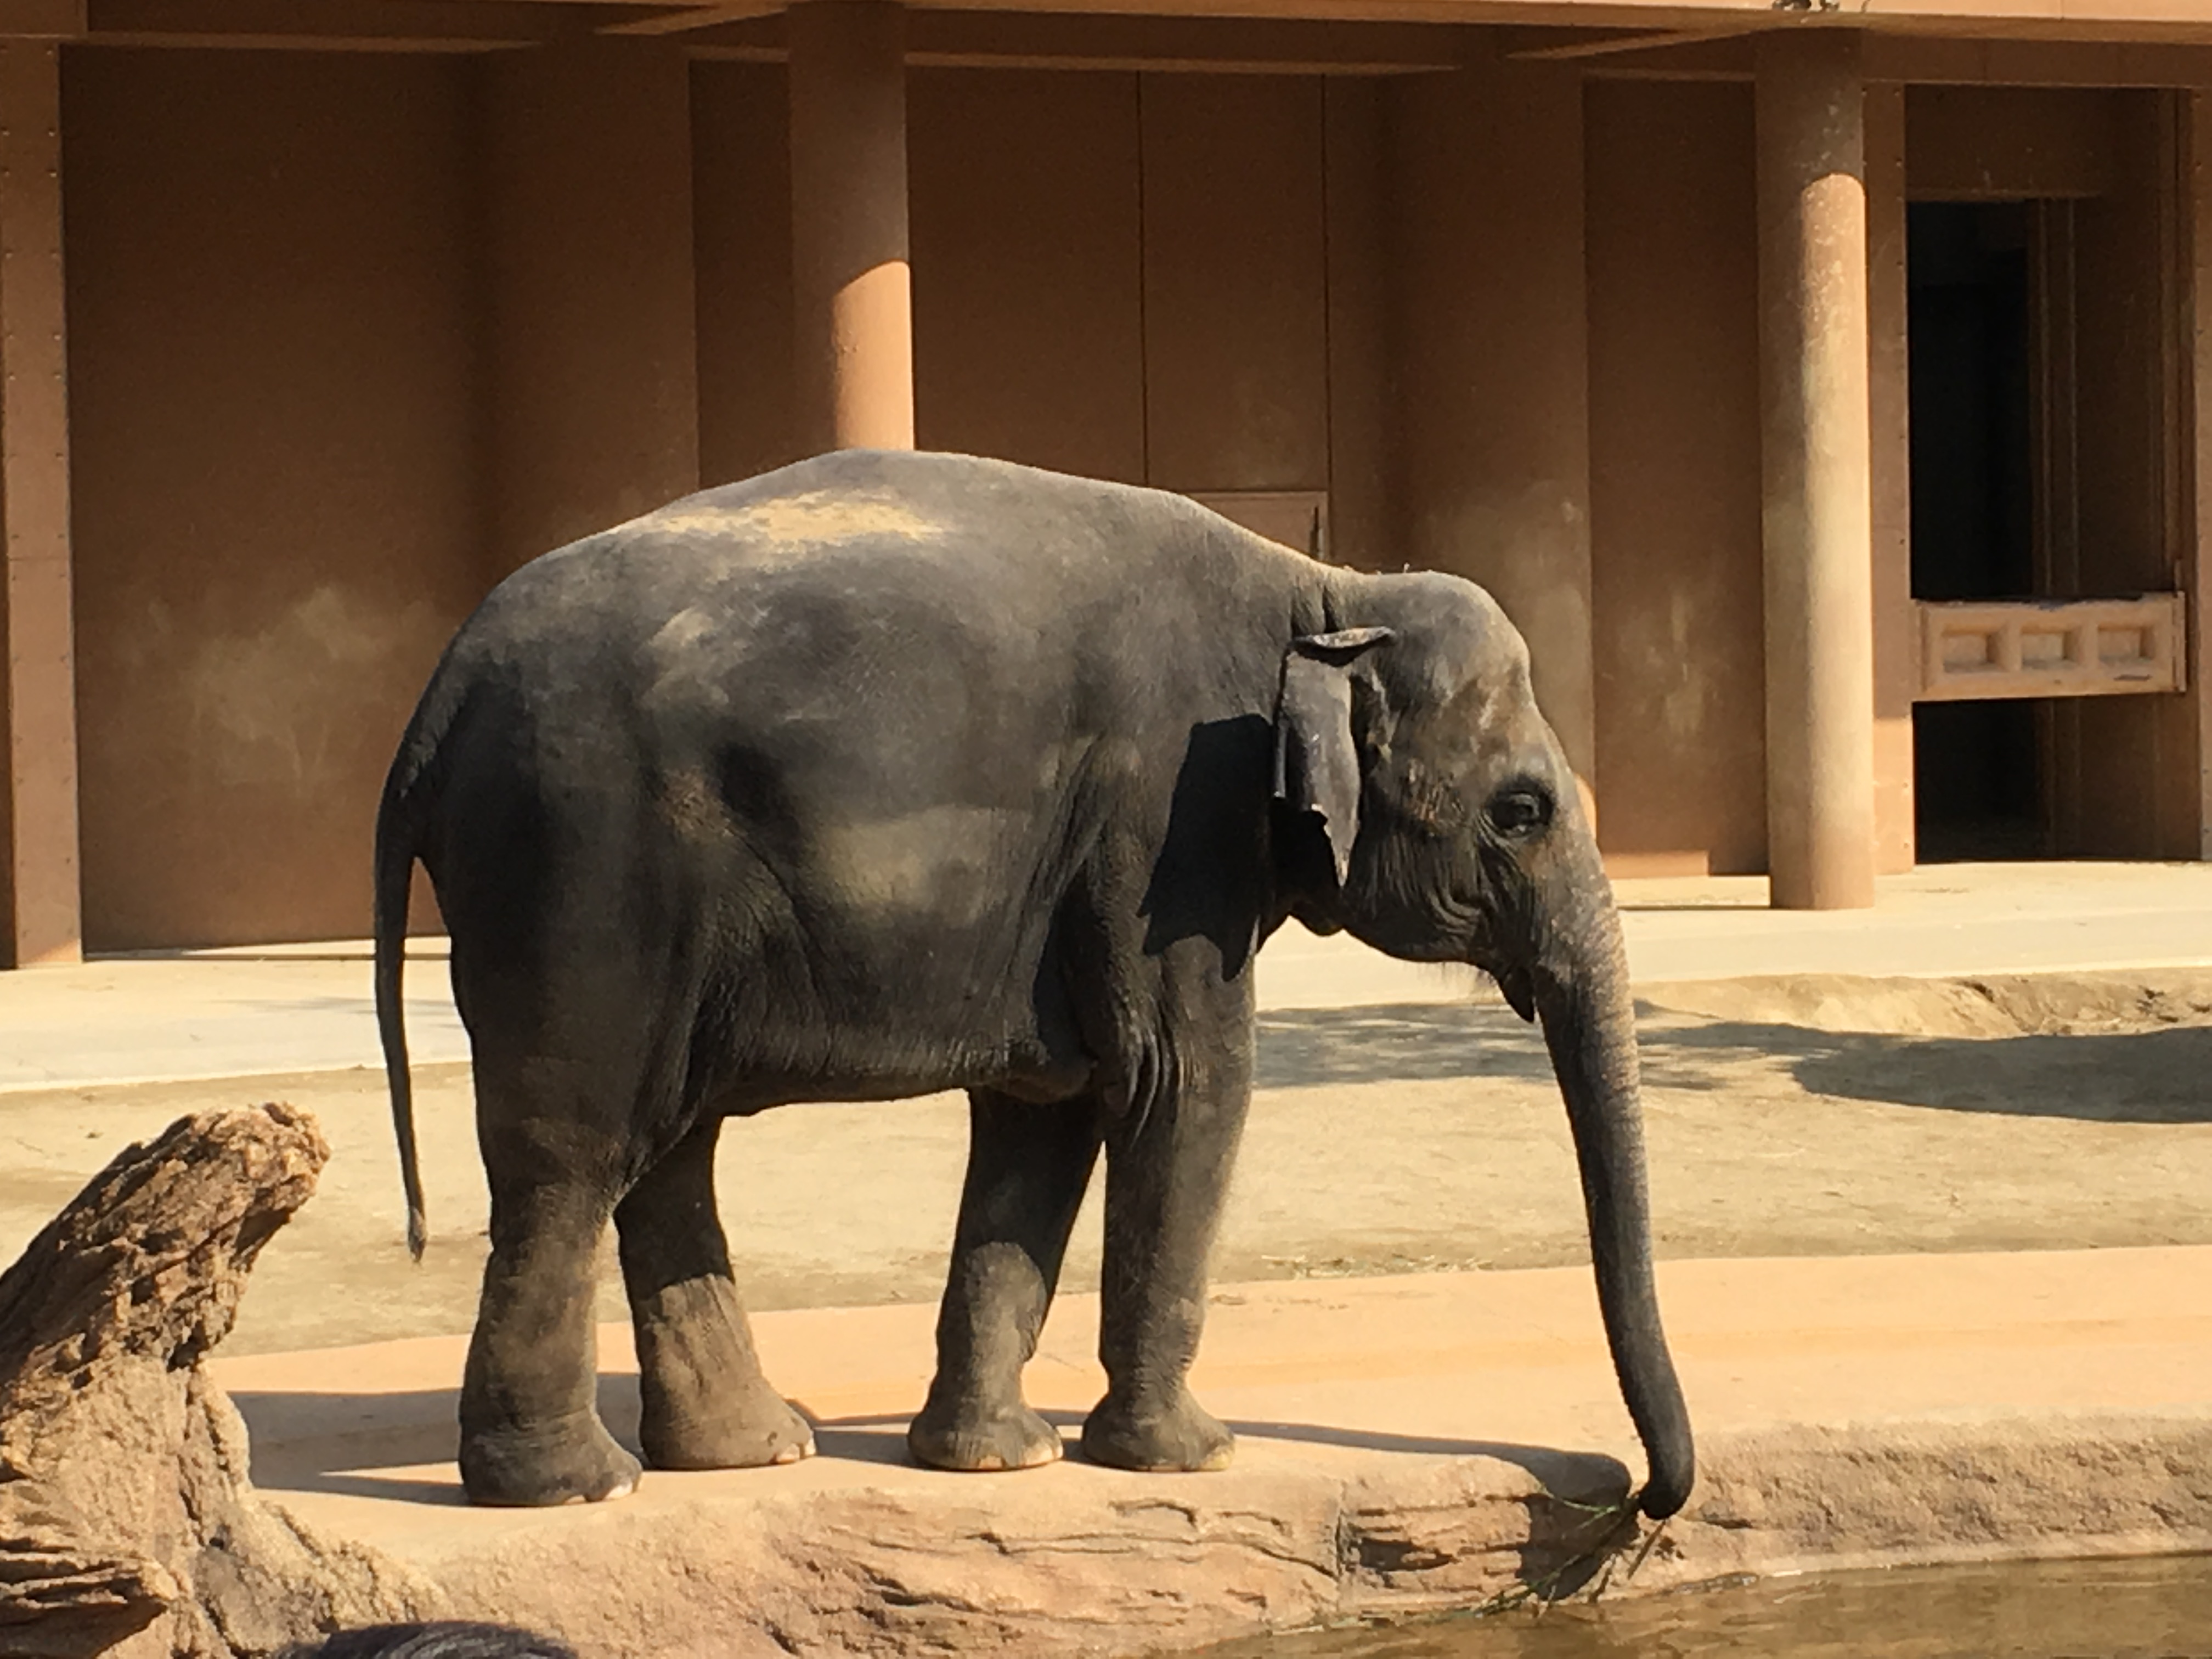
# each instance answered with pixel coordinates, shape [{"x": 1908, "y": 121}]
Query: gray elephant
[{"x": 889, "y": 774}]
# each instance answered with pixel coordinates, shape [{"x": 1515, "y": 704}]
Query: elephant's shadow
[
  {"x": 377, "y": 1445},
  {"x": 2151, "y": 1076},
  {"x": 2156, "y": 1076},
  {"x": 1397, "y": 1043}
]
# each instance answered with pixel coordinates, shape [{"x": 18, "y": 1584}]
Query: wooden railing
[{"x": 2050, "y": 648}]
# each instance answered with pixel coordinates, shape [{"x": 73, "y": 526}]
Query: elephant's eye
[{"x": 1520, "y": 810}]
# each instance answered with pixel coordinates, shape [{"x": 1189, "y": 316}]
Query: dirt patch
[
  {"x": 1785, "y": 1117},
  {"x": 1998, "y": 1006}
]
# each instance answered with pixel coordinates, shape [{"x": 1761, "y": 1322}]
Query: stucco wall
[
  {"x": 741, "y": 218},
  {"x": 275, "y": 463},
  {"x": 339, "y": 356},
  {"x": 1490, "y": 353},
  {"x": 1115, "y": 274},
  {"x": 589, "y": 337},
  {"x": 1027, "y": 279},
  {"x": 1674, "y": 467},
  {"x": 1236, "y": 338}
]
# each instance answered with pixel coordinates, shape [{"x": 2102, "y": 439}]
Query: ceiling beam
[
  {"x": 1912, "y": 58},
  {"x": 691, "y": 18},
  {"x": 1608, "y": 45},
  {"x": 41, "y": 20},
  {"x": 966, "y": 40},
  {"x": 1933, "y": 60},
  {"x": 398, "y": 25}
]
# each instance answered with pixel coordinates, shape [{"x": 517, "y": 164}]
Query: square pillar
[
  {"x": 39, "y": 814},
  {"x": 852, "y": 289},
  {"x": 1817, "y": 517}
]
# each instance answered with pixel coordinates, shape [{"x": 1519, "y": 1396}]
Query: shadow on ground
[
  {"x": 1300, "y": 1048},
  {"x": 305, "y": 1446},
  {"x": 2160, "y": 1076},
  {"x": 2128, "y": 1077}
]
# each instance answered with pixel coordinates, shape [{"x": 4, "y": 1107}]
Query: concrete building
[{"x": 318, "y": 316}]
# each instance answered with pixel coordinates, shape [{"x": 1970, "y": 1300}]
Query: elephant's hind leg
[
  {"x": 530, "y": 1433},
  {"x": 1027, "y": 1169},
  {"x": 706, "y": 1404}
]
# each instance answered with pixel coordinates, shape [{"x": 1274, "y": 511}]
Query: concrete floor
[
  {"x": 306, "y": 1008},
  {"x": 1803, "y": 1116},
  {"x": 1938, "y": 1370}
]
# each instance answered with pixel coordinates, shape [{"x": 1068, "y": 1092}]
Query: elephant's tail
[{"x": 395, "y": 876}]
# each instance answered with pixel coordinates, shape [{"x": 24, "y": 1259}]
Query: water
[{"x": 2159, "y": 1609}]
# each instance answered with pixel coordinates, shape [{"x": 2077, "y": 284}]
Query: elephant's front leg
[
  {"x": 1167, "y": 1173},
  {"x": 1028, "y": 1166}
]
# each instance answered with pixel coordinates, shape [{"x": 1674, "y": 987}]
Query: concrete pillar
[
  {"x": 593, "y": 357},
  {"x": 1817, "y": 517},
  {"x": 39, "y": 812},
  {"x": 852, "y": 299}
]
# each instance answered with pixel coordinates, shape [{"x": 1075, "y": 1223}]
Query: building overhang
[{"x": 2033, "y": 42}]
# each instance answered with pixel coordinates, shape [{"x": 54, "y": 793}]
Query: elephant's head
[{"x": 1433, "y": 815}]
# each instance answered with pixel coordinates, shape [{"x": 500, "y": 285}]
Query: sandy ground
[{"x": 1814, "y": 1115}]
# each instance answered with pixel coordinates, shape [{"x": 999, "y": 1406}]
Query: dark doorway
[
  {"x": 1977, "y": 789},
  {"x": 1976, "y": 782},
  {"x": 1973, "y": 490}
]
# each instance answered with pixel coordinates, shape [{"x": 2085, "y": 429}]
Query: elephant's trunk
[{"x": 1582, "y": 996}]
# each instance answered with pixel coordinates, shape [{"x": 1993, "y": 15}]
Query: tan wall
[
  {"x": 590, "y": 341},
  {"x": 1366, "y": 524},
  {"x": 1118, "y": 275},
  {"x": 1493, "y": 365},
  {"x": 1973, "y": 143},
  {"x": 1674, "y": 469},
  {"x": 1029, "y": 306},
  {"x": 1235, "y": 322},
  {"x": 351, "y": 335},
  {"x": 741, "y": 208},
  {"x": 275, "y": 449}
]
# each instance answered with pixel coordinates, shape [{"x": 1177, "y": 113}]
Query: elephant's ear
[{"x": 1317, "y": 764}]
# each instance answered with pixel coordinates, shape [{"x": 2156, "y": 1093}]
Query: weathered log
[{"x": 128, "y": 1523}]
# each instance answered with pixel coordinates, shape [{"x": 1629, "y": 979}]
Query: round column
[
  {"x": 852, "y": 314},
  {"x": 1817, "y": 518}
]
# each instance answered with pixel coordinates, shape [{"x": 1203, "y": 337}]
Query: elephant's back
[{"x": 906, "y": 577}]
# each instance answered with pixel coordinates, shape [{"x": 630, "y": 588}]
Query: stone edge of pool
[
  {"x": 878, "y": 1569},
  {"x": 1854, "y": 1413}
]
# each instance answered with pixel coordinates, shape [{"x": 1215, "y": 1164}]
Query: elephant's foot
[
  {"x": 572, "y": 1461},
  {"x": 973, "y": 1438},
  {"x": 1157, "y": 1433},
  {"x": 748, "y": 1428}
]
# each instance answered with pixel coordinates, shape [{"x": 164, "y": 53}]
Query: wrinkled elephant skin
[{"x": 889, "y": 774}]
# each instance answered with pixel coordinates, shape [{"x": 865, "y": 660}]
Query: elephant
[
  {"x": 886, "y": 774},
  {"x": 442, "y": 1639}
]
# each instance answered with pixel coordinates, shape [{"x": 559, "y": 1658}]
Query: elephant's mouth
[{"x": 1519, "y": 986}]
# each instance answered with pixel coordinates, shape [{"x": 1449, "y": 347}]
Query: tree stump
[{"x": 128, "y": 1523}]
